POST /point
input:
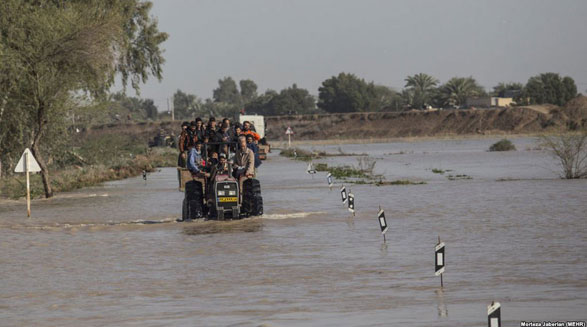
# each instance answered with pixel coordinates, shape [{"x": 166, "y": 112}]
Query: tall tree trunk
[
  {"x": 35, "y": 150},
  {"x": 44, "y": 170}
]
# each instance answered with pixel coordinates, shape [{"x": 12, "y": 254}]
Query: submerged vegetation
[
  {"x": 571, "y": 152},
  {"x": 502, "y": 145}
]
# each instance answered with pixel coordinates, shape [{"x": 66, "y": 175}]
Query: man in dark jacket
[
  {"x": 255, "y": 148},
  {"x": 187, "y": 140}
]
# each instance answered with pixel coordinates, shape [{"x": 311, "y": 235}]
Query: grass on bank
[
  {"x": 305, "y": 155},
  {"x": 94, "y": 161}
]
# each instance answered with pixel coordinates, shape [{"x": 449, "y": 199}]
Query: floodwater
[{"x": 114, "y": 256}]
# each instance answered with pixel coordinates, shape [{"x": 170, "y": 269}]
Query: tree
[
  {"x": 291, "y": 100},
  {"x": 150, "y": 108},
  {"x": 421, "y": 86},
  {"x": 456, "y": 91},
  {"x": 571, "y": 152},
  {"x": 227, "y": 92},
  {"x": 548, "y": 88},
  {"x": 262, "y": 105},
  {"x": 346, "y": 93},
  {"x": 248, "y": 90},
  {"x": 502, "y": 89},
  {"x": 53, "y": 49},
  {"x": 185, "y": 105},
  {"x": 387, "y": 99}
]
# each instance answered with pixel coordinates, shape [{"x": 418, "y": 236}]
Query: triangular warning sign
[{"x": 33, "y": 165}]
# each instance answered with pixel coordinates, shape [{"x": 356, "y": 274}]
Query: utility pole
[{"x": 171, "y": 110}]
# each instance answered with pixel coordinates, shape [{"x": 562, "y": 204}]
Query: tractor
[{"x": 219, "y": 197}]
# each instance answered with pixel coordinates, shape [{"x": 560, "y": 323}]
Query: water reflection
[
  {"x": 218, "y": 227},
  {"x": 442, "y": 308}
]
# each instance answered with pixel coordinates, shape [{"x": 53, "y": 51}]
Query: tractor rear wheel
[
  {"x": 194, "y": 199},
  {"x": 252, "y": 201}
]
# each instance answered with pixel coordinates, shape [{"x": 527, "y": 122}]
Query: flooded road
[{"x": 114, "y": 256}]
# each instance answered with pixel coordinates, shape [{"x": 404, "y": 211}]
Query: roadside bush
[{"x": 503, "y": 145}]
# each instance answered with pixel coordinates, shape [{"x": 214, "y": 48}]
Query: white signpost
[
  {"x": 27, "y": 164},
  {"x": 329, "y": 180},
  {"x": 382, "y": 223},
  {"x": 289, "y": 132},
  {"x": 494, "y": 314}
]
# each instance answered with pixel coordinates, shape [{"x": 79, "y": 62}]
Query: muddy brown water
[{"x": 113, "y": 256}]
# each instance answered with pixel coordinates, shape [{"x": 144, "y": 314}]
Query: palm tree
[
  {"x": 456, "y": 91},
  {"x": 421, "y": 86}
]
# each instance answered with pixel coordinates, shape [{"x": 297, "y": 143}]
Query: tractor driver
[
  {"x": 221, "y": 168},
  {"x": 244, "y": 160}
]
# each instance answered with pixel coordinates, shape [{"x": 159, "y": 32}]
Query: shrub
[
  {"x": 503, "y": 145},
  {"x": 571, "y": 151}
]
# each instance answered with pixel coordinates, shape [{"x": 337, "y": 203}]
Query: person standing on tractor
[
  {"x": 247, "y": 130},
  {"x": 195, "y": 158},
  {"x": 253, "y": 146},
  {"x": 211, "y": 128},
  {"x": 200, "y": 129},
  {"x": 187, "y": 140},
  {"x": 244, "y": 160}
]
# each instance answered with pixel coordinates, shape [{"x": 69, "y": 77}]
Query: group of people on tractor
[{"x": 210, "y": 150}]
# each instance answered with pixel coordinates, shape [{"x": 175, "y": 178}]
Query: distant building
[{"x": 488, "y": 102}]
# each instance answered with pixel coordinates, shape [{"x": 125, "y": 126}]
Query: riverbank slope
[{"x": 381, "y": 125}]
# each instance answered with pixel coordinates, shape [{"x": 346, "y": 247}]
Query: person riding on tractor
[{"x": 244, "y": 160}]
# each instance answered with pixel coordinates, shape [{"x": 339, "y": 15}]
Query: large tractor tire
[
  {"x": 194, "y": 200},
  {"x": 252, "y": 201}
]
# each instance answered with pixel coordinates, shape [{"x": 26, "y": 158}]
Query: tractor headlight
[
  {"x": 221, "y": 193},
  {"x": 232, "y": 193}
]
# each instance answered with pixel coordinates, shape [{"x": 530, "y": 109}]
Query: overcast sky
[{"x": 280, "y": 42}]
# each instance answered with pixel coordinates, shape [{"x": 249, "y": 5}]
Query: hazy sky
[{"x": 278, "y": 43}]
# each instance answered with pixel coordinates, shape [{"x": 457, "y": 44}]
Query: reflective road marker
[
  {"x": 494, "y": 314},
  {"x": 439, "y": 260},
  {"x": 352, "y": 203},
  {"x": 382, "y": 222}
]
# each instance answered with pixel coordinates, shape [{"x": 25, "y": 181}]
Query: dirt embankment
[{"x": 518, "y": 120}]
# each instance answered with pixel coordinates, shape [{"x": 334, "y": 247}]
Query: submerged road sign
[
  {"x": 382, "y": 221},
  {"x": 343, "y": 194},
  {"x": 494, "y": 314},
  {"x": 352, "y": 203},
  {"x": 439, "y": 259}
]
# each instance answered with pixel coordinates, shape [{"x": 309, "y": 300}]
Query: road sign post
[
  {"x": 27, "y": 164},
  {"x": 289, "y": 133},
  {"x": 494, "y": 314},
  {"x": 343, "y": 194},
  {"x": 329, "y": 180},
  {"x": 382, "y": 223},
  {"x": 439, "y": 260},
  {"x": 351, "y": 203}
]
